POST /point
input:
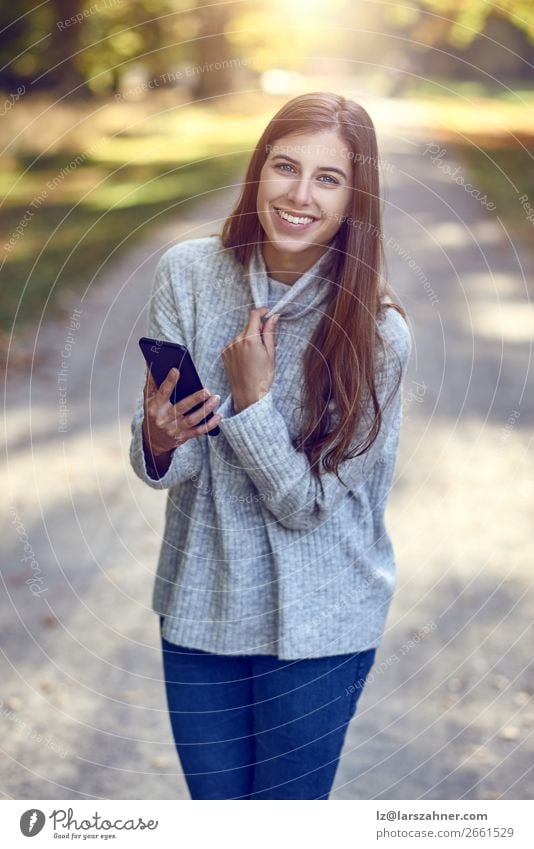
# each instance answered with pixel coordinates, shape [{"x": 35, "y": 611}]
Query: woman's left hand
[{"x": 249, "y": 360}]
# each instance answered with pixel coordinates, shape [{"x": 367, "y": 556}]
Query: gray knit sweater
[{"x": 258, "y": 557}]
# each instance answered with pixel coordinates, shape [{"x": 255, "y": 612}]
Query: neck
[{"x": 288, "y": 267}]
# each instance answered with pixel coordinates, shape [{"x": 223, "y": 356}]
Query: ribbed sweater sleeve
[
  {"x": 164, "y": 322},
  {"x": 260, "y": 438}
]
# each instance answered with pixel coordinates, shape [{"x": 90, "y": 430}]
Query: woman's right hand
[{"x": 164, "y": 425}]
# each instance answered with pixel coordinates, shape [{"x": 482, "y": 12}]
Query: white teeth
[{"x": 292, "y": 218}]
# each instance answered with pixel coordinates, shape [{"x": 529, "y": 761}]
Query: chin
[{"x": 293, "y": 246}]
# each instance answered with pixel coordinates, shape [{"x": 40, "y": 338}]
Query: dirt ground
[{"x": 448, "y": 709}]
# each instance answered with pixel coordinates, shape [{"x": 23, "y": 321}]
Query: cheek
[
  {"x": 339, "y": 206},
  {"x": 270, "y": 188},
  {"x": 335, "y": 209},
  {"x": 262, "y": 188}
]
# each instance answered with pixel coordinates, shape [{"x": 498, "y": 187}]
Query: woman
[{"x": 276, "y": 570}]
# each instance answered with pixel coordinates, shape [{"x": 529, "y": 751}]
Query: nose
[{"x": 300, "y": 192}]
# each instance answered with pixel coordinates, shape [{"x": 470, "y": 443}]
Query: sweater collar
[{"x": 307, "y": 293}]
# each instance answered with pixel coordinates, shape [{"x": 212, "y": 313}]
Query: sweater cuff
[
  {"x": 226, "y": 409},
  {"x": 183, "y": 462},
  {"x": 255, "y": 434}
]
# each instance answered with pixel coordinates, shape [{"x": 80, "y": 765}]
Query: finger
[
  {"x": 269, "y": 335},
  {"x": 213, "y": 422},
  {"x": 169, "y": 383},
  {"x": 229, "y": 350},
  {"x": 186, "y": 404},
  {"x": 193, "y": 419},
  {"x": 253, "y": 327},
  {"x": 150, "y": 385},
  {"x": 185, "y": 433}
]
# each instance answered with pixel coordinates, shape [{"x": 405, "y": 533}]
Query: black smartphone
[{"x": 161, "y": 356}]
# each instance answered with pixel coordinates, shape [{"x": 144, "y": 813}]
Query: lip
[{"x": 288, "y": 227}]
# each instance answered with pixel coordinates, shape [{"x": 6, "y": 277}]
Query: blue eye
[{"x": 328, "y": 178}]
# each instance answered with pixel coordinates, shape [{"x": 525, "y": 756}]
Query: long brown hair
[{"x": 347, "y": 332}]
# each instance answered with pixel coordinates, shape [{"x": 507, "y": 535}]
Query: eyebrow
[{"x": 321, "y": 167}]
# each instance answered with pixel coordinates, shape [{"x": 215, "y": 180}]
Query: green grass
[
  {"x": 504, "y": 174},
  {"x": 443, "y": 87},
  {"x": 84, "y": 218}
]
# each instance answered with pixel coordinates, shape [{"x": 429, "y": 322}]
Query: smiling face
[{"x": 305, "y": 189}]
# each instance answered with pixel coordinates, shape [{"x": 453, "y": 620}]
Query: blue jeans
[{"x": 256, "y": 727}]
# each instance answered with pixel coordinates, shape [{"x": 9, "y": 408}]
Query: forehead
[{"x": 326, "y": 145}]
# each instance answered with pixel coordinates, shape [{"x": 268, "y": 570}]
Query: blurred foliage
[
  {"x": 73, "y": 46},
  {"x": 504, "y": 172},
  {"x": 79, "y": 48},
  {"x": 85, "y": 207},
  {"x": 93, "y": 216},
  {"x": 463, "y": 21}
]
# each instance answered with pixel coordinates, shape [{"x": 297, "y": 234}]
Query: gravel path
[{"x": 448, "y": 710}]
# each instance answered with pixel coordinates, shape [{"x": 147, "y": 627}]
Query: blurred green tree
[
  {"x": 460, "y": 22},
  {"x": 85, "y": 48}
]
